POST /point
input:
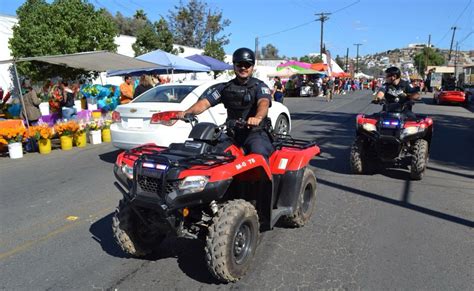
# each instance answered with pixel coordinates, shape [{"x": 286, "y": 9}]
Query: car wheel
[{"x": 282, "y": 125}]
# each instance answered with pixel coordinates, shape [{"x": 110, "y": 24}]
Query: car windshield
[{"x": 171, "y": 94}]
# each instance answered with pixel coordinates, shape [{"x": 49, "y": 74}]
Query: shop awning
[{"x": 98, "y": 61}]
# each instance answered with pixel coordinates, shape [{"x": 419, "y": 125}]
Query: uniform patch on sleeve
[
  {"x": 216, "y": 95},
  {"x": 266, "y": 90}
]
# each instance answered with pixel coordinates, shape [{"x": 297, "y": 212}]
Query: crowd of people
[{"x": 129, "y": 90}]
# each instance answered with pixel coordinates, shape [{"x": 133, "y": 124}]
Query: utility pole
[
  {"x": 256, "y": 50},
  {"x": 357, "y": 58},
  {"x": 456, "y": 61},
  {"x": 452, "y": 39},
  {"x": 322, "y": 17},
  {"x": 347, "y": 61},
  {"x": 426, "y": 54}
]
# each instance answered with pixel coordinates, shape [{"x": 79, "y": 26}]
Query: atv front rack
[
  {"x": 285, "y": 140},
  {"x": 184, "y": 161}
]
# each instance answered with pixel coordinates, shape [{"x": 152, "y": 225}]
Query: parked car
[
  {"x": 449, "y": 96},
  {"x": 132, "y": 126}
]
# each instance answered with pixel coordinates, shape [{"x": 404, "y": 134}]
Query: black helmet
[
  {"x": 393, "y": 71},
  {"x": 243, "y": 54}
]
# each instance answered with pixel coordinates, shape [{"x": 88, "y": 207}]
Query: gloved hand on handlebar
[{"x": 254, "y": 121}]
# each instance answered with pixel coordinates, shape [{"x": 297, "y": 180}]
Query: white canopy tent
[{"x": 98, "y": 61}]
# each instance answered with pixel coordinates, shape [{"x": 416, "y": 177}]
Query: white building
[
  {"x": 6, "y": 32},
  {"x": 124, "y": 47}
]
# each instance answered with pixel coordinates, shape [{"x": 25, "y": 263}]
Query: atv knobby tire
[
  {"x": 419, "y": 159},
  {"x": 128, "y": 232},
  {"x": 232, "y": 240},
  {"x": 306, "y": 201},
  {"x": 358, "y": 158}
]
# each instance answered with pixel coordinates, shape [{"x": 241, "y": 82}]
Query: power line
[
  {"x": 466, "y": 37},
  {"x": 354, "y": 3},
  {"x": 288, "y": 29},
  {"x": 457, "y": 19},
  {"x": 462, "y": 12}
]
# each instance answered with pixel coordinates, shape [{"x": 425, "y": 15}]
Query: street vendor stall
[{"x": 98, "y": 61}]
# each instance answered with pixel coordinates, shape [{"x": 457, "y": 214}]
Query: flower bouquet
[
  {"x": 13, "y": 137},
  {"x": 66, "y": 131},
  {"x": 95, "y": 133},
  {"x": 42, "y": 134}
]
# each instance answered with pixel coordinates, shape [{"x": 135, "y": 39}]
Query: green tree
[
  {"x": 131, "y": 25},
  {"x": 147, "y": 40},
  {"x": 152, "y": 37},
  {"x": 428, "y": 57},
  {"x": 165, "y": 36},
  {"x": 313, "y": 59},
  {"x": 269, "y": 52},
  {"x": 195, "y": 24},
  {"x": 62, "y": 27},
  {"x": 215, "y": 50}
]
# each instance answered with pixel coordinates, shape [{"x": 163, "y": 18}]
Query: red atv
[{"x": 208, "y": 188}]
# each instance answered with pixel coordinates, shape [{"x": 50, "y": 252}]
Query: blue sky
[{"x": 378, "y": 25}]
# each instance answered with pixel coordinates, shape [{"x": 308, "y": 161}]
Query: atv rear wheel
[
  {"x": 419, "y": 159},
  {"x": 306, "y": 201},
  {"x": 131, "y": 235},
  {"x": 359, "y": 160},
  {"x": 232, "y": 240}
]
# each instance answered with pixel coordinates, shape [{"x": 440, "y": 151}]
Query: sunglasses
[{"x": 244, "y": 65}]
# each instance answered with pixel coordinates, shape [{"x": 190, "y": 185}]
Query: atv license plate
[{"x": 135, "y": 123}]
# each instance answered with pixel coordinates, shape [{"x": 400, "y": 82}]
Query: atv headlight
[
  {"x": 193, "y": 184},
  {"x": 369, "y": 126},
  {"x": 411, "y": 130},
  {"x": 128, "y": 171}
]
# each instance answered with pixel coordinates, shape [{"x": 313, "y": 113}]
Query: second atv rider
[
  {"x": 245, "y": 98},
  {"x": 396, "y": 90}
]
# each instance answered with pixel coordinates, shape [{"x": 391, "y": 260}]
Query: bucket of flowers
[
  {"x": 42, "y": 133},
  {"x": 13, "y": 137},
  {"x": 66, "y": 131},
  {"x": 106, "y": 136},
  {"x": 80, "y": 137},
  {"x": 95, "y": 133}
]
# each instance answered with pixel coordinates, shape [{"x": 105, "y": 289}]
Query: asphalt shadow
[
  {"x": 110, "y": 157},
  {"x": 404, "y": 203},
  {"x": 188, "y": 252}
]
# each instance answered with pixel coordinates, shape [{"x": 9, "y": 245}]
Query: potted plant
[
  {"x": 65, "y": 131},
  {"x": 13, "y": 137},
  {"x": 42, "y": 134},
  {"x": 95, "y": 133},
  {"x": 106, "y": 137}
]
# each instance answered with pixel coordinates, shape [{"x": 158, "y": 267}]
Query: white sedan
[{"x": 131, "y": 122}]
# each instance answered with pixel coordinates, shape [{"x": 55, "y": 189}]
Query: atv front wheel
[
  {"x": 306, "y": 201},
  {"x": 232, "y": 240},
  {"x": 358, "y": 159},
  {"x": 419, "y": 159},
  {"x": 131, "y": 235}
]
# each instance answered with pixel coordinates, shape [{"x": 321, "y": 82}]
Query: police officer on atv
[
  {"x": 396, "y": 90},
  {"x": 245, "y": 98}
]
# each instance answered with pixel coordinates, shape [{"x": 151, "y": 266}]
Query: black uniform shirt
[{"x": 260, "y": 91}]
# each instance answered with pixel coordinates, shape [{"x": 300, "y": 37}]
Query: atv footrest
[{"x": 279, "y": 212}]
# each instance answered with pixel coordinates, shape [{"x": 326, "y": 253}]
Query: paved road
[{"x": 372, "y": 232}]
